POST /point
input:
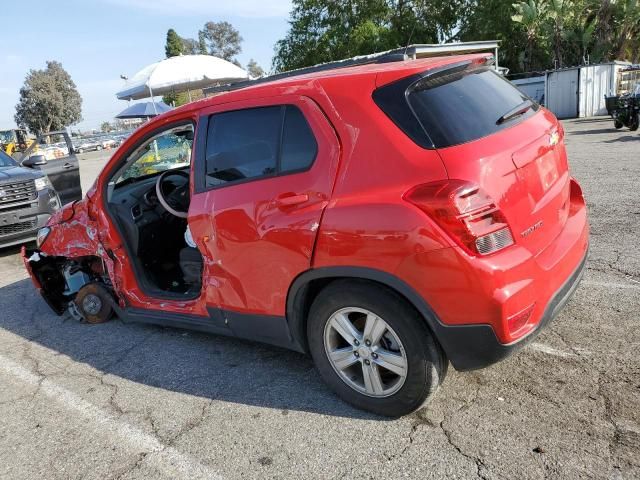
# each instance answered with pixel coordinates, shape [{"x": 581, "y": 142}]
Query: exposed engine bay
[{"x": 82, "y": 286}]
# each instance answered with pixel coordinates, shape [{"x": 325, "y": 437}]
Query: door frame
[
  {"x": 149, "y": 290},
  {"x": 57, "y": 167}
]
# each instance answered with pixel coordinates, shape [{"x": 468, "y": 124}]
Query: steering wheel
[{"x": 179, "y": 197}]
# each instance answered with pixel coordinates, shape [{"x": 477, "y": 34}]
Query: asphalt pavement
[{"x": 135, "y": 402}]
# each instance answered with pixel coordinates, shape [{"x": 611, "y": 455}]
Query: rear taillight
[{"x": 465, "y": 212}]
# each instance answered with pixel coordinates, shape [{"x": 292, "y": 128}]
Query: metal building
[
  {"x": 533, "y": 87},
  {"x": 575, "y": 91}
]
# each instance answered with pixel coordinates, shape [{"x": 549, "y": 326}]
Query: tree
[
  {"x": 202, "y": 43},
  {"x": 221, "y": 40},
  {"x": 190, "y": 46},
  {"x": 531, "y": 16},
  {"x": 491, "y": 20},
  {"x": 49, "y": 100},
  {"x": 106, "y": 127},
  {"x": 255, "y": 70},
  {"x": 326, "y": 30},
  {"x": 174, "y": 45}
]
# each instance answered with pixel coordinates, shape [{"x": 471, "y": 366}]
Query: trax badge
[{"x": 531, "y": 229}]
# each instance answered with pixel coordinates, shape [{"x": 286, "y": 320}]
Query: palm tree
[
  {"x": 559, "y": 12},
  {"x": 628, "y": 32},
  {"x": 531, "y": 16}
]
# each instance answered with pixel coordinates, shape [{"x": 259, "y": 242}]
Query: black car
[{"x": 33, "y": 189}]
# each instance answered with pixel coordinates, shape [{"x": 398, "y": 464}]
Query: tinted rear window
[
  {"x": 452, "y": 107},
  {"x": 299, "y": 147},
  {"x": 243, "y": 144},
  {"x": 258, "y": 142}
]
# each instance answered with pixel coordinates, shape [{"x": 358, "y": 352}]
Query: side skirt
[{"x": 273, "y": 330}]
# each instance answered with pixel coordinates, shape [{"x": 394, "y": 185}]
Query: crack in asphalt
[
  {"x": 608, "y": 416},
  {"x": 131, "y": 468},
  {"x": 481, "y": 468},
  {"x": 613, "y": 268}
]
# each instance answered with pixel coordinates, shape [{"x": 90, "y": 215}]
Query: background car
[{"x": 88, "y": 145}]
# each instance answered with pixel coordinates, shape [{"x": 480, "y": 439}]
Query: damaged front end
[{"x": 70, "y": 267}]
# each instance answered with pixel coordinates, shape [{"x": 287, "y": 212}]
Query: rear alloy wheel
[
  {"x": 370, "y": 359},
  {"x": 373, "y": 348},
  {"x": 635, "y": 122}
]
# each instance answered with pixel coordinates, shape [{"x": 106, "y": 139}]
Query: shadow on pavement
[
  {"x": 213, "y": 367},
  {"x": 590, "y": 120},
  {"x": 593, "y": 132},
  {"x": 626, "y": 138},
  {"x": 10, "y": 251}
]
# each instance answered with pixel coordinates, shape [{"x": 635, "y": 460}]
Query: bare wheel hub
[{"x": 91, "y": 304}]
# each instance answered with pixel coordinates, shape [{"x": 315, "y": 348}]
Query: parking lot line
[
  {"x": 163, "y": 457},
  {"x": 541, "y": 347}
]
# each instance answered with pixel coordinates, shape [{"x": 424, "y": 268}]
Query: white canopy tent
[{"x": 181, "y": 73}]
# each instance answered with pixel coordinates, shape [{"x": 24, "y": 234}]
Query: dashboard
[{"x": 138, "y": 209}]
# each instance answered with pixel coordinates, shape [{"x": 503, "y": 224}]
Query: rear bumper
[
  {"x": 476, "y": 346},
  {"x": 475, "y": 300}
]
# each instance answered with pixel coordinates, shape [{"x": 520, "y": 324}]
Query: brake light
[{"x": 466, "y": 213}]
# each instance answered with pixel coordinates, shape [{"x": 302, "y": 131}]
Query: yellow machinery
[{"x": 14, "y": 141}]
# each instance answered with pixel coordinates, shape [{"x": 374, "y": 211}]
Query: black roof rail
[{"x": 383, "y": 57}]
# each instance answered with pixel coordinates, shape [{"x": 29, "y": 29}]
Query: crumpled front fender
[{"x": 74, "y": 235}]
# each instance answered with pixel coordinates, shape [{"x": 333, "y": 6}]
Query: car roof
[{"x": 388, "y": 71}]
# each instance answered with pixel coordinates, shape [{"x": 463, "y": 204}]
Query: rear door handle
[
  {"x": 67, "y": 165},
  {"x": 290, "y": 200}
]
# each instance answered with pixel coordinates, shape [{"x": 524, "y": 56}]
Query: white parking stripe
[
  {"x": 165, "y": 458},
  {"x": 541, "y": 347}
]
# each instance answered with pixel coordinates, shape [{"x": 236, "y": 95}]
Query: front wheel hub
[{"x": 94, "y": 303}]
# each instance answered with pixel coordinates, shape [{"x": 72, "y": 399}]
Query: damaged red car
[{"x": 388, "y": 218}]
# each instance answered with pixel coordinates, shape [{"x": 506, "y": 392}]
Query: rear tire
[
  {"x": 617, "y": 124},
  {"x": 403, "y": 342},
  {"x": 635, "y": 123}
]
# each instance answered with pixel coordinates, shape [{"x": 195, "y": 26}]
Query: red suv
[{"x": 387, "y": 218}]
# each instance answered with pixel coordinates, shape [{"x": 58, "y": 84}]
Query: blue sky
[{"x": 98, "y": 40}]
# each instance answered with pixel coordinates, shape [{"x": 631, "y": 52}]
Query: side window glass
[
  {"x": 243, "y": 144},
  {"x": 299, "y": 147}
]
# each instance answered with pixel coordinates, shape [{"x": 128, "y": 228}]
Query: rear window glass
[
  {"x": 243, "y": 144},
  {"x": 299, "y": 146},
  {"x": 258, "y": 142},
  {"x": 454, "y": 108}
]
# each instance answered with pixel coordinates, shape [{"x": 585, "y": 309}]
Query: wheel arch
[{"x": 308, "y": 284}]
